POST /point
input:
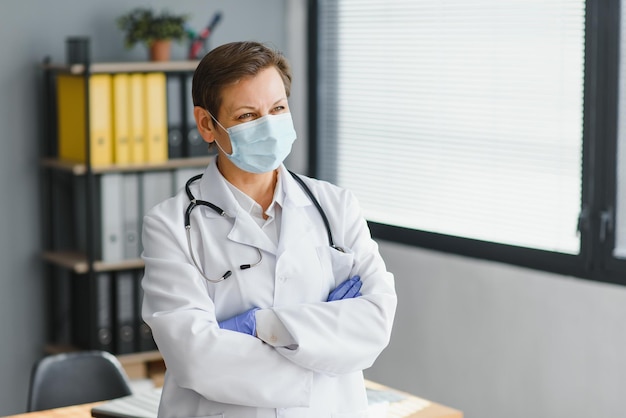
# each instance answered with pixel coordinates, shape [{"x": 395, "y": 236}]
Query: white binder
[
  {"x": 156, "y": 186},
  {"x": 132, "y": 215},
  {"x": 111, "y": 215},
  {"x": 181, "y": 175}
]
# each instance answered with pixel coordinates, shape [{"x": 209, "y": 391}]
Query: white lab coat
[{"x": 309, "y": 357}]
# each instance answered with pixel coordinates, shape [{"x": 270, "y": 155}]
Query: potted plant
[{"x": 155, "y": 30}]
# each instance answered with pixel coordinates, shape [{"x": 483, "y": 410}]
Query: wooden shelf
[
  {"x": 146, "y": 364},
  {"x": 80, "y": 169},
  {"x": 125, "y": 67},
  {"x": 141, "y": 365},
  {"x": 143, "y": 356},
  {"x": 77, "y": 262}
]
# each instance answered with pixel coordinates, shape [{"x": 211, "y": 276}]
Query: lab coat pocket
[{"x": 336, "y": 265}]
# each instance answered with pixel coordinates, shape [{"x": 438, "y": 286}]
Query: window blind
[
  {"x": 457, "y": 117},
  {"x": 619, "y": 250}
]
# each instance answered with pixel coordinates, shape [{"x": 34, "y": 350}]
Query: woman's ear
[{"x": 204, "y": 123}]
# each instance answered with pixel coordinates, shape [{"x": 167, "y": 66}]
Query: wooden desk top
[
  {"x": 76, "y": 411},
  {"x": 409, "y": 407},
  {"x": 413, "y": 407}
]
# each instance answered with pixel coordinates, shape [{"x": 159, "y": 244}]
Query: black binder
[
  {"x": 125, "y": 312},
  {"x": 92, "y": 311},
  {"x": 67, "y": 211},
  {"x": 144, "y": 339},
  {"x": 60, "y": 312},
  {"x": 194, "y": 143},
  {"x": 175, "y": 115}
]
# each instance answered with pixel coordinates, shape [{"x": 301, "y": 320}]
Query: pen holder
[{"x": 77, "y": 50}]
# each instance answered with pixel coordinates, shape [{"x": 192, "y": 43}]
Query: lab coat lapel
[
  {"x": 213, "y": 188},
  {"x": 296, "y": 224},
  {"x": 246, "y": 231}
]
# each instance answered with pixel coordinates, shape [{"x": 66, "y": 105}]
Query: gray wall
[
  {"x": 31, "y": 30},
  {"x": 500, "y": 341},
  {"x": 493, "y": 340}
]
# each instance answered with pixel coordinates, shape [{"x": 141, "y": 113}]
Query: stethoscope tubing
[
  {"x": 316, "y": 202},
  {"x": 193, "y": 203}
]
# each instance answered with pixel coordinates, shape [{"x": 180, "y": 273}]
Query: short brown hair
[{"x": 228, "y": 64}]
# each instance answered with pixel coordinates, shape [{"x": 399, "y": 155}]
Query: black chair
[{"x": 77, "y": 377}]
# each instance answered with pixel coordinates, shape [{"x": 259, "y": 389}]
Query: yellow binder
[
  {"x": 72, "y": 117},
  {"x": 155, "y": 114},
  {"x": 136, "y": 112},
  {"x": 121, "y": 118}
]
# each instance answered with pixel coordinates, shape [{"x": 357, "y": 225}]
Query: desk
[
  {"x": 77, "y": 411},
  {"x": 409, "y": 407},
  {"x": 413, "y": 407}
]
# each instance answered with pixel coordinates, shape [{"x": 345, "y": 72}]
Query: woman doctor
[{"x": 253, "y": 311}]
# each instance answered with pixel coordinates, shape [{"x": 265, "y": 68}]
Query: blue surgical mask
[{"x": 260, "y": 145}]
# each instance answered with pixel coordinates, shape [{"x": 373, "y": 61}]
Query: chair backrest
[{"x": 74, "y": 378}]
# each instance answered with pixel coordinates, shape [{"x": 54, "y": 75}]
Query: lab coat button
[{"x": 273, "y": 339}]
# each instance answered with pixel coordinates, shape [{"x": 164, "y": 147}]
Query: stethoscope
[{"x": 197, "y": 202}]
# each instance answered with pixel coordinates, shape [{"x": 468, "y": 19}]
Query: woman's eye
[
  {"x": 279, "y": 109},
  {"x": 245, "y": 116}
]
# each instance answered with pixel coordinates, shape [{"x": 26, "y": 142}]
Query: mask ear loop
[{"x": 225, "y": 130}]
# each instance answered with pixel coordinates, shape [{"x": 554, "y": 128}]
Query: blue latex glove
[
  {"x": 244, "y": 322},
  {"x": 346, "y": 290}
]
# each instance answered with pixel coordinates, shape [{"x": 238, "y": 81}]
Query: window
[{"x": 476, "y": 126}]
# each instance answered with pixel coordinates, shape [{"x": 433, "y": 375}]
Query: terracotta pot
[{"x": 160, "y": 50}]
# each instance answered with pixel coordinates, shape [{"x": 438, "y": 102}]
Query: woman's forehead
[{"x": 262, "y": 89}]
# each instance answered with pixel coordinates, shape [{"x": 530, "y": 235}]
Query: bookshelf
[
  {"x": 122, "y": 67},
  {"x": 79, "y": 169},
  {"x": 89, "y": 307}
]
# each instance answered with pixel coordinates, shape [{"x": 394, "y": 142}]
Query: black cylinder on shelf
[{"x": 77, "y": 50}]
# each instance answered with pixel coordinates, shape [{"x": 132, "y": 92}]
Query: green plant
[{"x": 144, "y": 25}]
